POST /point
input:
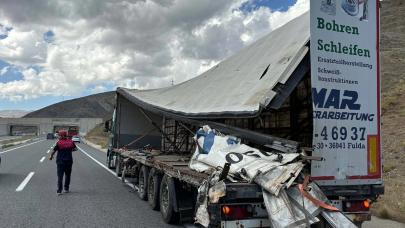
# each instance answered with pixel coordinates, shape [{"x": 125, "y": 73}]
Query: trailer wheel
[
  {"x": 123, "y": 173},
  {"x": 143, "y": 183},
  {"x": 108, "y": 160},
  {"x": 154, "y": 180},
  {"x": 166, "y": 200},
  {"x": 118, "y": 165}
]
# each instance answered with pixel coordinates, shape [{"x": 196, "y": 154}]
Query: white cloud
[
  {"x": 134, "y": 43},
  {"x": 23, "y": 47}
]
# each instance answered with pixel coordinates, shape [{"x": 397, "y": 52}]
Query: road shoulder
[{"x": 93, "y": 145}]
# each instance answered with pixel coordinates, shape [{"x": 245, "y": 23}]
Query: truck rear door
[{"x": 345, "y": 77}]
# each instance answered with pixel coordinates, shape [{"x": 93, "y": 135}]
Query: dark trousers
[{"x": 66, "y": 169}]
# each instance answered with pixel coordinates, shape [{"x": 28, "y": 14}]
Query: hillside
[
  {"x": 98, "y": 105},
  {"x": 98, "y": 136},
  {"x": 392, "y": 204}
]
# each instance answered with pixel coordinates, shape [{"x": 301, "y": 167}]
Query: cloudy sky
[{"x": 53, "y": 50}]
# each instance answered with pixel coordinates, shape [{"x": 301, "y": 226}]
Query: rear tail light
[
  {"x": 226, "y": 210},
  {"x": 357, "y": 206},
  {"x": 236, "y": 212},
  {"x": 366, "y": 204}
]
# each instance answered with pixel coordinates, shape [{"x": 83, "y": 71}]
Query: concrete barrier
[{"x": 46, "y": 125}]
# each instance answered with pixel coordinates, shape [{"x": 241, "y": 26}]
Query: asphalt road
[
  {"x": 97, "y": 198},
  {"x": 378, "y": 223}
]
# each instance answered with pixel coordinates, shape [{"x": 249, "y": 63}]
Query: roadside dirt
[
  {"x": 14, "y": 141},
  {"x": 378, "y": 223},
  {"x": 98, "y": 137},
  {"x": 392, "y": 204}
]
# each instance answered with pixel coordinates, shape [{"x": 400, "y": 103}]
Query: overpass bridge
[{"x": 41, "y": 126}]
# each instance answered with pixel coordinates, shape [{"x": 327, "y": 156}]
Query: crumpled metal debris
[
  {"x": 274, "y": 180},
  {"x": 217, "y": 191},
  {"x": 287, "y": 205},
  {"x": 298, "y": 211},
  {"x": 211, "y": 190},
  {"x": 286, "y": 212},
  {"x": 336, "y": 219},
  {"x": 201, "y": 216}
]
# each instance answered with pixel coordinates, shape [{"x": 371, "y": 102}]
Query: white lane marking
[
  {"x": 42, "y": 159},
  {"x": 48, "y": 151},
  {"x": 106, "y": 168},
  {"x": 25, "y": 182},
  {"x": 15, "y": 148}
]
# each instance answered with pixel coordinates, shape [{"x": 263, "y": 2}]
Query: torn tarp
[{"x": 253, "y": 165}]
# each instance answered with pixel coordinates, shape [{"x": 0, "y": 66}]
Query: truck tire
[
  {"x": 154, "y": 180},
  {"x": 143, "y": 183},
  {"x": 123, "y": 173},
  {"x": 109, "y": 160},
  {"x": 167, "y": 199},
  {"x": 118, "y": 165}
]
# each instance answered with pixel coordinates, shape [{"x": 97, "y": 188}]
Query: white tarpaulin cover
[{"x": 241, "y": 84}]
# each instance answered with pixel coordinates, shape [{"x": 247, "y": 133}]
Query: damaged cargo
[
  {"x": 233, "y": 147},
  {"x": 288, "y": 203}
]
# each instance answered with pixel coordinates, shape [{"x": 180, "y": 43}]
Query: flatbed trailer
[
  {"x": 173, "y": 165},
  {"x": 148, "y": 169}
]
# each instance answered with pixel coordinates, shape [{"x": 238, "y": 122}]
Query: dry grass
[
  {"x": 98, "y": 136},
  {"x": 391, "y": 99},
  {"x": 11, "y": 142},
  {"x": 388, "y": 167},
  {"x": 392, "y": 203},
  {"x": 17, "y": 139},
  {"x": 6, "y": 146}
]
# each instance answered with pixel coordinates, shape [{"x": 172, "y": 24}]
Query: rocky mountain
[{"x": 98, "y": 105}]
